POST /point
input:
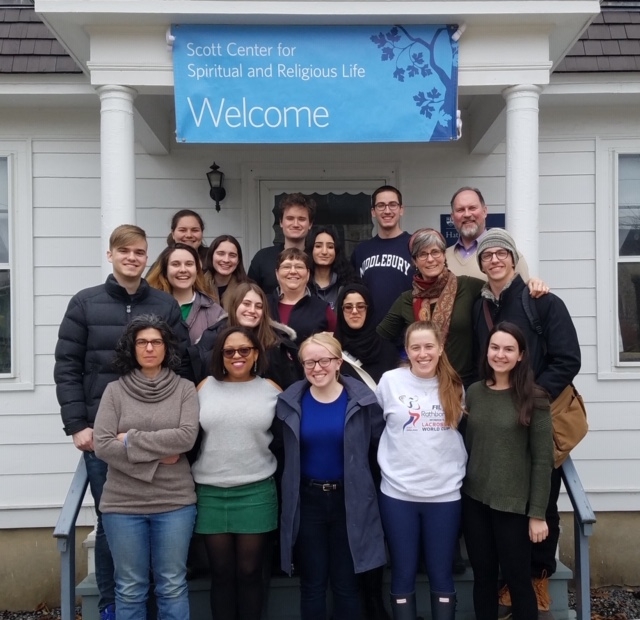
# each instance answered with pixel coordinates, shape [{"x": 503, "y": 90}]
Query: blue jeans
[
  {"x": 323, "y": 554},
  {"x": 406, "y": 524},
  {"x": 157, "y": 542},
  {"x": 97, "y": 474}
]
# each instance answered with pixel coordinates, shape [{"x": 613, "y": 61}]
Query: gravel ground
[{"x": 610, "y": 603}]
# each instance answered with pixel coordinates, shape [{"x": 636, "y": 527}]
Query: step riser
[{"x": 284, "y": 597}]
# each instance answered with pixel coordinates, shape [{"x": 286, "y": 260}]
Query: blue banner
[
  {"x": 449, "y": 232},
  {"x": 306, "y": 84}
]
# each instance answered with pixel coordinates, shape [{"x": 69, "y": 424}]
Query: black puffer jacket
[
  {"x": 90, "y": 329},
  {"x": 283, "y": 365}
]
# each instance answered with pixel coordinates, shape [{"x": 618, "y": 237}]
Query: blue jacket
[{"x": 362, "y": 429}]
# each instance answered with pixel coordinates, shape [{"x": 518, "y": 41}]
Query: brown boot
[
  {"x": 504, "y": 603},
  {"x": 541, "y": 588}
]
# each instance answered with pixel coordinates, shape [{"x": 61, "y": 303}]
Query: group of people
[{"x": 400, "y": 397}]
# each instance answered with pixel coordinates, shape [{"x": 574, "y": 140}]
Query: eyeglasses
[
  {"x": 141, "y": 343},
  {"x": 487, "y": 255},
  {"x": 241, "y": 351},
  {"x": 290, "y": 267},
  {"x": 381, "y": 206},
  {"x": 435, "y": 254},
  {"x": 323, "y": 361},
  {"x": 361, "y": 307}
]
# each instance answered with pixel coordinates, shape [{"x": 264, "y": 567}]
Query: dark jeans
[
  {"x": 406, "y": 525},
  {"x": 543, "y": 555},
  {"x": 97, "y": 474},
  {"x": 498, "y": 540},
  {"x": 324, "y": 555}
]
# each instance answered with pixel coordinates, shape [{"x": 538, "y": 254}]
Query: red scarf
[{"x": 440, "y": 291}]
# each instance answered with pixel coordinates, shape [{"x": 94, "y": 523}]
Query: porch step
[{"x": 284, "y": 597}]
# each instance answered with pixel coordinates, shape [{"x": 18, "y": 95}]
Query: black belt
[{"x": 325, "y": 485}]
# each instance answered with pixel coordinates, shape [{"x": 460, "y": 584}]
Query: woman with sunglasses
[
  {"x": 248, "y": 307},
  {"x": 330, "y": 269},
  {"x": 179, "y": 273},
  {"x": 147, "y": 421},
  {"x": 223, "y": 269},
  {"x": 237, "y": 503},
  {"x": 329, "y": 501}
]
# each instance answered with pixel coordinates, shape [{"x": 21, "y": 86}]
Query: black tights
[{"x": 236, "y": 575}]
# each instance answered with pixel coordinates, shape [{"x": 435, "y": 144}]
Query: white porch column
[
  {"x": 117, "y": 165},
  {"x": 521, "y": 174}
]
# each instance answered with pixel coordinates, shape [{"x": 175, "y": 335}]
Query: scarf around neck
[
  {"x": 148, "y": 390},
  {"x": 442, "y": 292}
]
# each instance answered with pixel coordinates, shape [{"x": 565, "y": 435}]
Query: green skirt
[{"x": 246, "y": 509}]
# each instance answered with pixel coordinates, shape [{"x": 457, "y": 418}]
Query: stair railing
[
  {"x": 65, "y": 532},
  {"x": 583, "y": 520}
]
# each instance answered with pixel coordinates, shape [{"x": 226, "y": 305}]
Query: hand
[
  {"x": 538, "y": 530},
  {"x": 121, "y": 437},
  {"x": 83, "y": 440},
  {"x": 537, "y": 288},
  {"x": 170, "y": 460}
]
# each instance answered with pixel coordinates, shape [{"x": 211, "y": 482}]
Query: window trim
[
  {"x": 22, "y": 377},
  {"x": 607, "y": 323}
]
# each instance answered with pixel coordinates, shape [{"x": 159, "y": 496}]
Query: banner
[{"x": 315, "y": 84}]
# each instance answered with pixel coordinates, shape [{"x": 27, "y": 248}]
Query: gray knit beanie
[{"x": 497, "y": 238}]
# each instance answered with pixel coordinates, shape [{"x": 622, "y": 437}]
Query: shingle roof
[
  {"x": 610, "y": 44},
  {"x": 27, "y": 45}
]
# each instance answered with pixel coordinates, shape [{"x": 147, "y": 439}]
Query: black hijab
[{"x": 363, "y": 343}]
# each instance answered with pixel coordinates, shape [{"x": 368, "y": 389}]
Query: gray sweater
[
  {"x": 236, "y": 420},
  {"x": 160, "y": 418}
]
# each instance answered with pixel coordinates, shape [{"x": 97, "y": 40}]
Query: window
[
  {"x": 618, "y": 258},
  {"x": 16, "y": 269},
  {"x": 628, "y": 257}
]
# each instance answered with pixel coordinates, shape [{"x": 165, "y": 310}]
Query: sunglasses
[{"x": 242, "y": 352}]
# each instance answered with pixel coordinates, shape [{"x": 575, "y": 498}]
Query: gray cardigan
[{"x": 160, "y": 418}]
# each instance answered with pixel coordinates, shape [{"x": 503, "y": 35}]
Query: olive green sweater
[
  {"x": 509, "y": 466},
  {"x": 459, "y": 345}
]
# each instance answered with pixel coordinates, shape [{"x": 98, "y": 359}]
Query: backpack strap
[{"x": 531, "y": 311}]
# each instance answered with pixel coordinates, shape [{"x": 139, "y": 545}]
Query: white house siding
[{"x": 36, "y": 459}]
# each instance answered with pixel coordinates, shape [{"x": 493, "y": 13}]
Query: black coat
[
  {"x": 308, "y": 316},
  {"x": 90, "y": 329},
  {"x": 555, "y": 355}
]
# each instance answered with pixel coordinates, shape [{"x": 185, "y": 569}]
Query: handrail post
[
  {"x": 583, "y": 520},
  {"x": 65, "y": 533}
]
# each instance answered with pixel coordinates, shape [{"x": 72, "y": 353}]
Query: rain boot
[
  {"x": 403, "y": 606},
  {"x": 443, "y": 605}
]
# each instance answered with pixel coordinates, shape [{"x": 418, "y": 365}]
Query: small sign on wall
[
  {"x": 315, "y": 84},
  {"x": 449, "y": 232}
]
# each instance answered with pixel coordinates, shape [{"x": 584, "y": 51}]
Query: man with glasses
[
  {"x": 384, "y": 261},
  {"x": 469, "y": 215},
  {"x": 297, "y": 213},
  {"x": 554, "y": 355},
  {"x": 90, "y": 329}
]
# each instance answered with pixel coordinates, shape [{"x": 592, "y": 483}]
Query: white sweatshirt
[{"x": 421, "y": 458}]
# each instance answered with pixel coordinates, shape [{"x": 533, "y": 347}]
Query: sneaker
[
  {"x": 108, "y": 613},
  {"x": 541, "y": 588},
  {"x": 504, "y": 603}
]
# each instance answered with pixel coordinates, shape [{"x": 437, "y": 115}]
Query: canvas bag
[{"x": 568, "y": 413}]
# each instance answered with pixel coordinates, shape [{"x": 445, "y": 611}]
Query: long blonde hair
[{"x": 450, "y": 389}]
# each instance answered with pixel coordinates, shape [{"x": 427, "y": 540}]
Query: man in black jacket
[
  {"x": 555, "y": 359},
  {"x": 90, "y": 329}
]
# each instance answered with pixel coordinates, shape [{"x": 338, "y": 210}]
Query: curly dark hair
[
  {"x": 217, "y": 364},
  {"x": 341, "y": 266},
  {"x": 125, "y": 360}
]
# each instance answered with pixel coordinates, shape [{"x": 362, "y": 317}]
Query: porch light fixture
[{"x": 216, "y": 182}]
